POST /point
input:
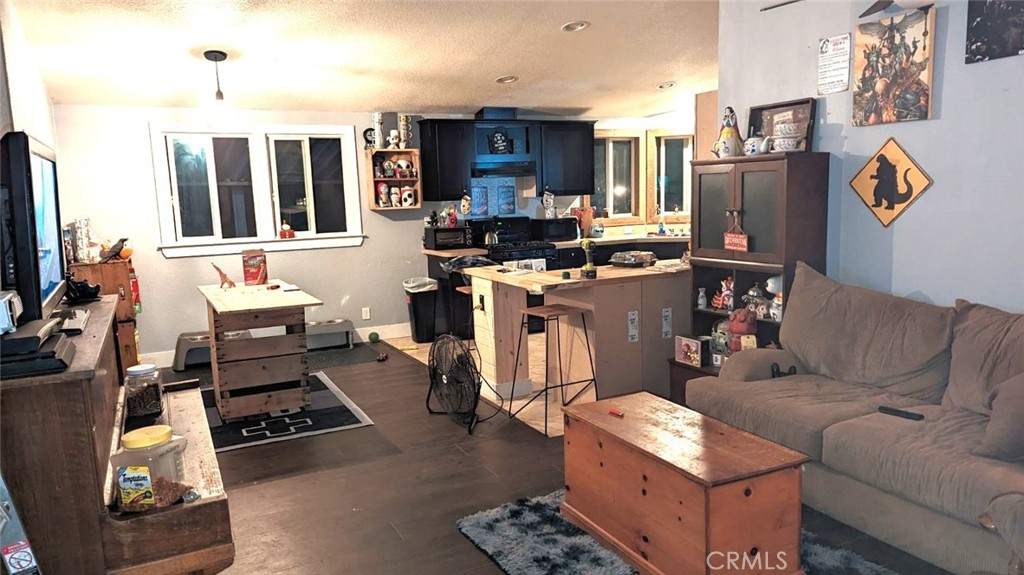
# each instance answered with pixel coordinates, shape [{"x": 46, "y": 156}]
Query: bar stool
[{"x": 551, "y": 313}]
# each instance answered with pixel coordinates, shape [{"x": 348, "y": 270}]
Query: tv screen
[{"x": 33, "y": 253}]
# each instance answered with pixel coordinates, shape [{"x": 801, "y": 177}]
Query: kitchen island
[{"x": 632, "y": 317}]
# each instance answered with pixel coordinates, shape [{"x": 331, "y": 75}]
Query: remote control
[{"x": 900, "y": 413}]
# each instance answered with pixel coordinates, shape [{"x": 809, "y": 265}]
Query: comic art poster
[
  {"x": 893, "y": 69},
  {"x": 995, "y": 29}
]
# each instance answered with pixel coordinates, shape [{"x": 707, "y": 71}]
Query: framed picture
[
  {"x": 789, "y": 124},
  {"x": 994, "y": 30},
  {"x": 892, "y": 64},
  {"x": 692, "y": 351}
]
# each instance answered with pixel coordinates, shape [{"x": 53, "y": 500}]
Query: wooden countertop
[
  {"x": 612, "y": 240},
  {"x": 701, "y": 448},
  {"x": 455, "y": 253},
  {"x": 540, "y": 282},
  {"x": 88, "y": 345},
  {"x": 256, "y": 298}
]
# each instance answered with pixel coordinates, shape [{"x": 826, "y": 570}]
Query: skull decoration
[
  {"x": 548, "y": 202},
  {"x": 408, "y": 196},
  {"x": 466, "y": 206}
]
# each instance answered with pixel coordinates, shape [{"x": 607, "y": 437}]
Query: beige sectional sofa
[{"x": 918, "y": 485}]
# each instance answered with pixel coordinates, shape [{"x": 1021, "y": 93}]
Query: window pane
[
  {"x": 291, "y": 184},
  {"x": 193, "y": 188},
  {"x": 328, "y": 184},
  {"x": 600, "y": 198},
  {"x": 234, "y": 187},
  {"x": 622, "y": 177},
  {"x": 673, "y": 171}
]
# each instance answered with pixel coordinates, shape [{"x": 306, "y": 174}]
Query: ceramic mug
[
  {"x": 786, "y": 130},
  {"x": 786, "y": 144}
]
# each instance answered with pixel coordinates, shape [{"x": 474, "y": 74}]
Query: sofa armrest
[
  {"x": 756, "y": 364},
  {"x": 1007, "y": 512}
]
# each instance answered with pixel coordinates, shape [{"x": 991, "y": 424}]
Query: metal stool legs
[{"x": 548, "y": 386}]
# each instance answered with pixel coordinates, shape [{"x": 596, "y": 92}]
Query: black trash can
[{"x": 420, "y": 294}]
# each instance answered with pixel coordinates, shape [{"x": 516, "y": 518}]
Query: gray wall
[{"x": 964, "y": 237}]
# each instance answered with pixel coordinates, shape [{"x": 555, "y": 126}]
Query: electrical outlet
[
  {"x": 366, "y": 313},
  {"x": 627, "y": 230}
]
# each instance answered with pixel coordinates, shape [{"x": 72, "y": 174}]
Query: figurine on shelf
[
  {"x": 775, "y": 310},
  {"x": 729, "y": 143},
  {"x": 702, "y": 298},
  {"x": 755, "y": 301},
  {"x": 404, "y": 130},
  {"x": 378, "y": 130},
  {"x": 408, "y": 196},
  {"x": 466, "y": 206},
  {"x": 396, "y": 197},
  {"x": 548, "y": 201},
  {"x": 383, "y": 196},
  {"x": 741, "y": 322},
  {"x": 286, "y": 231},
  {"x": 393, "y": 140},
  {"x": 432, "y": 220},
  {"x": 723, "y": 298}
]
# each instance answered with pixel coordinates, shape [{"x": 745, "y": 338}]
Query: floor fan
[{"x": 454, "y": 380}]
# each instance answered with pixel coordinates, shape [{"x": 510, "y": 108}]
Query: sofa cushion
[
  {"x": 988, "y": 348},
  {"x": 862, "y": 336},
  {"x": 791, "y": 410},
  {"x": 1004, "y": 435},
  {"x": 928, "y": 462}
]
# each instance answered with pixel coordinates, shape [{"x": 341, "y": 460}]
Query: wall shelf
[{"x": 377, "y": 156}]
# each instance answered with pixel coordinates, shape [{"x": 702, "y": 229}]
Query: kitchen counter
[
  {"x": 624, "y": 239},
  {"x": 631, "y": 318},
  {"x": 455, "y": 253}
]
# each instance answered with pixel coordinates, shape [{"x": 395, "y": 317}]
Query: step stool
[
  {"x": 193, "y": 348},
  {"x": 321, "y": 334}
]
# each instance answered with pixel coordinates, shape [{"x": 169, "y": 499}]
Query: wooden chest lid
[{"x": 705, "y": 450}]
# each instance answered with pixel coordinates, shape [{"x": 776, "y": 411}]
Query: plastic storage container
[
  {"x": 143, "y": 394},
  {"x": 150, "y": 468}
]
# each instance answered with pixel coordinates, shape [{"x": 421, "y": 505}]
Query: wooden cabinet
[
  {"x": 447, "y": 151},
  {"x": 567, "y": 164},
  {"x": 57, "y": 433},
  {"x": 390, "y": 175},
  {"x": 114, "y": 278},
  {"x": 781, "y": 202}
]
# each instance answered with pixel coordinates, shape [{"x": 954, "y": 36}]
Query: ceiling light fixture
[
  {"x": 216, "y": 56},
  {"x": 506, "y": 79},
  {"x": 666, "y": 85},
  {"x": 577, "y": 26}
]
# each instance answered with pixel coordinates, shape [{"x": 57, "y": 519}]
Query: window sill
[
  {"x": 623, "y": 221},
  {"x": 293, "y": 244}
]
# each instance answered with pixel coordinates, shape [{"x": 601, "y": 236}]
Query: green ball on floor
[{"x": 374, "y": 337}]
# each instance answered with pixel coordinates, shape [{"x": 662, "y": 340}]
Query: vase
[{"x": 702, "y": 299}]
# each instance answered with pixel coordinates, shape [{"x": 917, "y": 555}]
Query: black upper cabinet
[
  {"x": 567, "y": 166},
  {"x": 446, "y": 152}
]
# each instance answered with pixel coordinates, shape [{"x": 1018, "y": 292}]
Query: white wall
[
  {"x": 106, "y": 174},
  {"x": 6, "y": 119},
  {"x": 26, "y": 93},
  {"x": 963, "y": 237}
]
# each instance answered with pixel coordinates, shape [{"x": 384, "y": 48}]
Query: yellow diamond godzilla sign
[{"x": 890, "y": 182}]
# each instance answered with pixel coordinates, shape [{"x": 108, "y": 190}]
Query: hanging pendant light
[{"x": 216, "y": 56}]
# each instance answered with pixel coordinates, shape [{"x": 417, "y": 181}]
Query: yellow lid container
[{"x": 146, "y": 437}]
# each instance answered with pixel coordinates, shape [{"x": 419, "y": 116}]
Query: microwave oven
[
  {"x": 555, "y": 230},
  {"x": 447, "y": 238}
]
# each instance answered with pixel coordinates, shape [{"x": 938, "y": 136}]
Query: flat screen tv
[{"x": 31, "y": 240}]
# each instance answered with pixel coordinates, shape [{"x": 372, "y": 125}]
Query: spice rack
[{"x": 382, "y": 157}]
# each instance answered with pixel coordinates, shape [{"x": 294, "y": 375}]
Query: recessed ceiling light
[
  {"x": 575, "y": 26},
  {"x": 666, "y": 85},
  {"x": 506, "y": 79}
]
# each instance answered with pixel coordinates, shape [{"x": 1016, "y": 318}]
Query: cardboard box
[{"x": 254, "y": 267}]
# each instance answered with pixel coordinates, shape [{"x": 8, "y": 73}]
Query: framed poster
[
  {"x": 479, "y": 195},
  {"x": 506, "y": 200},
  {"x": 893, "y": 62},
  {"x": 994, "y": 30}
]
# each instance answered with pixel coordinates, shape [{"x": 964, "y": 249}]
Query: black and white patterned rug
[
  {"x": 530, "y": 537},
  {"x": 329, "y": 410}
]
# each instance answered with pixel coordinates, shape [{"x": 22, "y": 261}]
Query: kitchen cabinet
[
  {"x": 567, "y": 163},
  {"x": 447, "y": 149}
]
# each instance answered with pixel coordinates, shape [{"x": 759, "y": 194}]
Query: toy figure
[
  {"x": 453, "y": 216},
  {"x": 723, "y": 298},
  {"x": 729, "y": 143},
  {"x": 225, "y": 281},
  {"x": 467, "y": 204},
  {"x": 741, "y": 322}
]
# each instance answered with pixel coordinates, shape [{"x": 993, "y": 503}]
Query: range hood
[{"x": 502, "y": 169}]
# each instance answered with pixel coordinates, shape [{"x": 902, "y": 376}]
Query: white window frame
[
  {"x": 687, "y": 174},
  {"x": 173, "y": 245},
  {"x": 609, "y": 174}
]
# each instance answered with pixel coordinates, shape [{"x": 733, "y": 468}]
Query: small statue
[
  {"x": 755, "y": 301},
  {"x": 729, "y": 143},
  {"x": 702, "y": 298},
  {"x": 286, "y": 231},
  {"x": 453, "y": 216},
  {"x": 775, "y": 310},
  {"x": 393, "y": 140},
  {"x": 432, "y": 220},
  {"x": 723, "y": 298},
  {"x": 548, "y": 201},
  {"x": 741, "y": 322},
  {"x": 466, "y": 207},
  {"x": 225, "y": 281}
]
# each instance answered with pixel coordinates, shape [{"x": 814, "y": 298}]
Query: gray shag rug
[{"x": 530, "y": 537}]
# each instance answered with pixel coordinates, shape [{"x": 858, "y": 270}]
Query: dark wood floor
[{"x": 384, "y": 499}]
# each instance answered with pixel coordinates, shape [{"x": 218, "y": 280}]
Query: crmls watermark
[{"x": 742, "y": 561}]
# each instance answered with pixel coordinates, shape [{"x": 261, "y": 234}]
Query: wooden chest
[{"x": 674, "y": 492}]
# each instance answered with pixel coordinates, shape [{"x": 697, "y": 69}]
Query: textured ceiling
[{"x": 422, "y": 57}]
